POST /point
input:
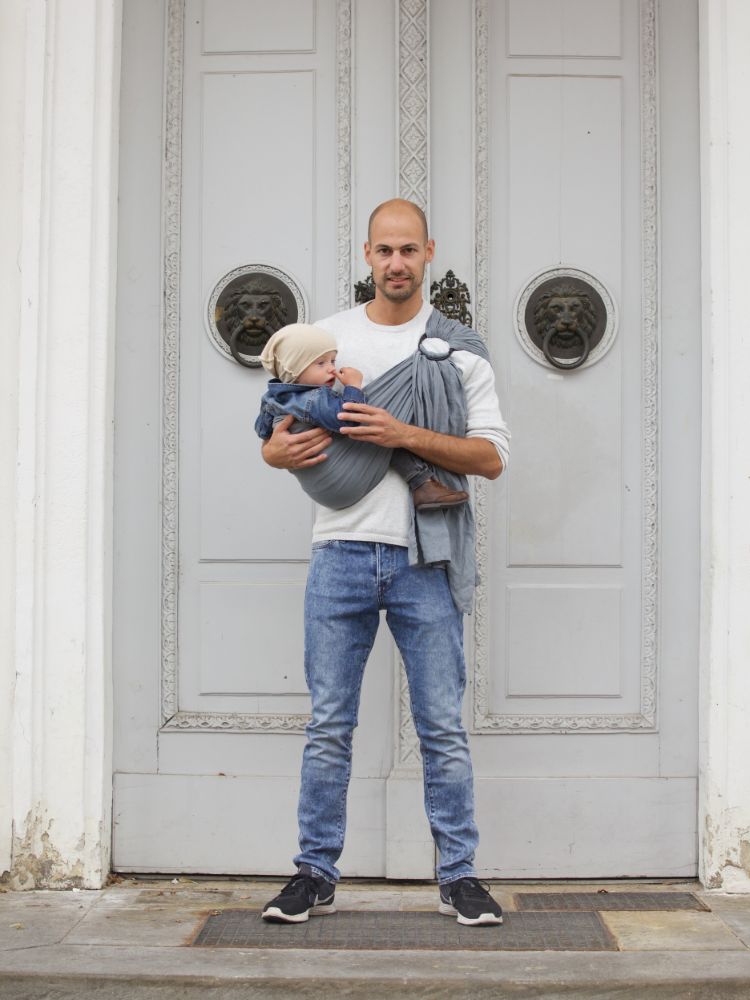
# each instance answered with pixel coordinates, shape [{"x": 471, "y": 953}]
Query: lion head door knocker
[
  {"x": 247, "y": 306},
  {"x": 565, "y": 318}
]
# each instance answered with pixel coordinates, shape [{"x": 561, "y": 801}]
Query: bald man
[{"x": 360, "y": 566}]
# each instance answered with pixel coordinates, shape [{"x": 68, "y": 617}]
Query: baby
[{"x": 302, "y": 359}]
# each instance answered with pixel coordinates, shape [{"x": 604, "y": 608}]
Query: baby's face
[{"x": 321, "y": 372}]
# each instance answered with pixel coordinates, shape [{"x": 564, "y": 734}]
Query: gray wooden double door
[{"x": 543, "y": 136}]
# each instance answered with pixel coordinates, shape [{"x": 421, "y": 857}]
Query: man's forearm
[
  {"x": 294, "y": 451},
  {"x": 474, "y": 456}
]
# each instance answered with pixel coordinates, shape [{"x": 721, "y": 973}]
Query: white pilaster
[
  {"x": 12, "y": 31},
  {"x": 725, "y": 648},
  {"x": 60, "y": 778}
]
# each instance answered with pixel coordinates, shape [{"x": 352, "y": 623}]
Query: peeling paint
[
  {"x": 745, "y": 855},
  {"x": 726, "y": 848},
  {"x": 37, "y": 863},
  {"x": 734, "y": 879},
  {"x": 712, "y": 879}
]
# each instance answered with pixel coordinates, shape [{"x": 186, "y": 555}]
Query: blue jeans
[{"x": 348, "y": 584}]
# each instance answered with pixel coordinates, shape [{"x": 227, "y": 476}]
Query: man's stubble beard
[{"x": 399, "y": 294}]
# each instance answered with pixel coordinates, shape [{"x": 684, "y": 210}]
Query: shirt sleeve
[{"x": 483, "y": 416}]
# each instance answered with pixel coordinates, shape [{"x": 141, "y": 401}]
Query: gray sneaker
[{"x": 301, "y": 896}]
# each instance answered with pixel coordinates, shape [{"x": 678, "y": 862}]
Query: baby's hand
[{"x": 350, "y": 376}]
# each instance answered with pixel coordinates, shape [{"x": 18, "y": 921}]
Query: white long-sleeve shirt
[{"x": 384, "y": 514}]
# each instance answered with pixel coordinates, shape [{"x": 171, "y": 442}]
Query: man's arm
[
  {"x": 474, "y": 456},
  {"x": 295, "y": 451},
  {"x": 484, "y": 449}
]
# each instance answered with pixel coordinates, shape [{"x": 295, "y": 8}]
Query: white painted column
[
  {"x": 60, "y": 777},
  {"x": 725, "y": 652},
  {"x": 12, "y": 28}
]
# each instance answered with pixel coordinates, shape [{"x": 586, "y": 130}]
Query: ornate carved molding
[
  {"x": 235, "y": 722},
  {"x": 481, "y": 166},
  {"x": 650, "y": 360},
  {"x": 413, "y": 102},
  {"x": 171, "y": 193},
  {"x": 413, "y": 181},
  {"x": 484, "y": 721},
  {"x": 344, "y": 142},
  {"x": 480, "y": 679},
  {"x": 172, "y": 719},
  {"x": 407, "y": 756}
]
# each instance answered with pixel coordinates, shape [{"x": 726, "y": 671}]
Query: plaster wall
[
  {"x": 63, "y": 75},
  {"x": 12, "y": 34},
  {"x": 725, "y": 647}
]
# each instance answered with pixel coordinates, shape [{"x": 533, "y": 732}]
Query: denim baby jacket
[{"x": 311, "y": 404}]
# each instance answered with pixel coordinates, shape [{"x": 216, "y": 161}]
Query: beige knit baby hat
[{"x": 292, "y": 348}]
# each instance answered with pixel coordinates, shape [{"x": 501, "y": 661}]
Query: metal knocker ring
[
  {"x": 235, "y": 353},
  {"x": 582, "y": 336}
]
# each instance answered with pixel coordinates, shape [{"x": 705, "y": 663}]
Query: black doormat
[
  {"x": 578, "y": 901},
  {"x": 398, "y": 931}
]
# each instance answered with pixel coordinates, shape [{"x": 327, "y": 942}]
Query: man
[{"x": 360, "y": 565}]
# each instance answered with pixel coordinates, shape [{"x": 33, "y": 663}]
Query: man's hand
[
  {"x": 295, "y": 451},
  {"x": 469, "y": 456},
  {"x": 373, "y": 424},
  {"x": 350, "y": 376}
]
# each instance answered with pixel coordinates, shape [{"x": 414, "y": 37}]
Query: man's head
[
  {"x": 398, "y": 248},
  {"x": 398, "y": 204}
]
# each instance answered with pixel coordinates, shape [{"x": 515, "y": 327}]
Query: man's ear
[
  {"x": 368, "y": 252},
  {"x": 430, "y": 250}
]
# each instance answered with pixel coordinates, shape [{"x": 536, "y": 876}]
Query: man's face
[{"x": 397, "y": 253}]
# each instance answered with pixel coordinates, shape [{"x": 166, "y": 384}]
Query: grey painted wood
[{"x": 560, "y": 634}]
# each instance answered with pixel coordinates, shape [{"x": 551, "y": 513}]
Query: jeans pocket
[{"x": 328, "y": 543}]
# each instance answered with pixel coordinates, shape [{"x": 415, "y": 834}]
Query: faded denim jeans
[{"x": 348, "y": 584}]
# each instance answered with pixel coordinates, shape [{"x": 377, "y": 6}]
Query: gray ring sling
[{"x": 425, "y": 390}]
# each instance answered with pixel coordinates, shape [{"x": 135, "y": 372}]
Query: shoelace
[{"x": 472, "y": 888}]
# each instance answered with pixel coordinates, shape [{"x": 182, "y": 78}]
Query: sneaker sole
[
  {"x": 483, "y": 919},
  {"x": 277, "y": 916}
]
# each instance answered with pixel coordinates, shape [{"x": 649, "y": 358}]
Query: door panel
[{"x": 528, "y": 130}]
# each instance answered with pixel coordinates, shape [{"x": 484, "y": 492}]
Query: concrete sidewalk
[{"x": 133, "y": 940}]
